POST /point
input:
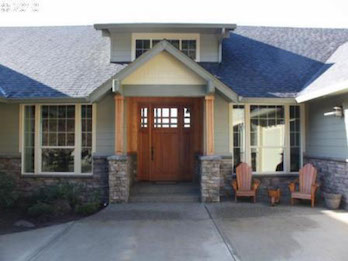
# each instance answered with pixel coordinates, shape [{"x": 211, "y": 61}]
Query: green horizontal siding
[
  {"x": 221, "y": 130},
  {"x": 105, "y": 128},
  {"x": 9, "y": 131},
  {"x": 326, "y": 135}
]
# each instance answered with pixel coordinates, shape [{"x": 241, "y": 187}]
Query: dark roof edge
[
  {"x": 160, "y": 25},
  {"x": 46, "y": 100}
]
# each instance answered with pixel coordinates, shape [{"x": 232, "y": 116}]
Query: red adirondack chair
[
  {"x": 307, "y": 184},
  {"x": 245, "y": 185}
]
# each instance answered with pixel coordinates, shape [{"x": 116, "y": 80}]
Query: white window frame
[
  {"x": 169, "y": 36},
  {"x": 286, "y": 133},
  {"x": 38, "y": 137}
]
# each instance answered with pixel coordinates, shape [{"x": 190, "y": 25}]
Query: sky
[{"x": 291, "y": 13}]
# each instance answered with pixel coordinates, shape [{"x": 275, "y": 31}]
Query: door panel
[{"x": 169, "y": 136}]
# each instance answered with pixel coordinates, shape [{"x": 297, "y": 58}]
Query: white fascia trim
[{"x": 323, "y": 92}]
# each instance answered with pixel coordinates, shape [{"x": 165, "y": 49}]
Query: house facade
[{"x": 113, "y": 104}]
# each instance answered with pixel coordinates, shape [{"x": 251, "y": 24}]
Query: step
[
  {"x": 164, "y": 199},
  {"x": 148, "y": 188},
  {"x": 165, "y": 192}
]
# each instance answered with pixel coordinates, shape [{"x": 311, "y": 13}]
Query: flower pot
[{"x": 332, "y": 200}]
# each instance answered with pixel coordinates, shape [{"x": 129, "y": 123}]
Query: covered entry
[{"x": 168, "y": 134}]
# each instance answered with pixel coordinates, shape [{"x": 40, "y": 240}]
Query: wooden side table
[{"x": 274, "y": 195}]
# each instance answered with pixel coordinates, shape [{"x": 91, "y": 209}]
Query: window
[
  {"x": 143, "y": 118},
  {"x": 58, "y": 138},
  {"x": 187, "y": 43},
  {"x": 295, "y": 138},
  {"x": 64, "y": 142},
  {"x": 238, "y": 116},
  {"x": 165, "y": 117},
  {"x": 29, "y": 139},
  {"x": 187, "y": 117},
  {"x": 175, "y": 43},
  {"x": 267, "y": 137},
  {"x": 141, "y": 46},
  {"x": 189, "y": 48},
  {"x": 86, "y": 144}
]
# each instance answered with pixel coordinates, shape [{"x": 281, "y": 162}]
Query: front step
[{"x": 150, "y": 192}]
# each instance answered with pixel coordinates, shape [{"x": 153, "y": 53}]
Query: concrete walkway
[{"x": 188, "y": 231}]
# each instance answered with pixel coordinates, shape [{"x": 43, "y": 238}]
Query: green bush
[
  {"x": 40, "y": 209},
  {"x": 65, "y": 191},
  {"x": 8, "y": 196},
  {"x": 87, "y": 208}
]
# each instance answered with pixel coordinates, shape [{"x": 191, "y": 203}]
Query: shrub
[
  {"x": 65, "y": 191},
  {"x": 87, "y": 208},
  {"x": 40, "y": 209},
  {"x": 8, "y": 196}
]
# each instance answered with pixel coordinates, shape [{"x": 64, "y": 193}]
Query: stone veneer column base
[
  {"x": 120, "y": 178},
  {"x": 210, "y": 178}
]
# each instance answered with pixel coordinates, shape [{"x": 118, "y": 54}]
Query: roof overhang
[
  {"x": 220, "y": 29},
  {"x": 212, "y": 82},
  {"x": 330, "y": 90}
]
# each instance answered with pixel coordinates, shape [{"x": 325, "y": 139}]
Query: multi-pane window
[
  {"x": 188, "y": 47},
  {"x": 86, "y": 139},
  {"x": 238, "y": 116},
  {"x": 175, "y": 43},
  {"x": 141, "y": 46},
  {"x": 58, "y": 138},
  {"x": 267, "y": 131},
  {"x": 165, "y": 117},
  {"x": 143, "y": 117},
  {"x": 29, "y": 139},
  {"x": 295, "y": 138},
  {"x": 64, "y": 143},
  {"x": 187, "y": 117}
]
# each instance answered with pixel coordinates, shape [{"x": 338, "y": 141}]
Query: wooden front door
[{"x": 169, "y": 136}]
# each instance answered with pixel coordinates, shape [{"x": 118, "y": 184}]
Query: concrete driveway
[{"x": 188, "y": 231}]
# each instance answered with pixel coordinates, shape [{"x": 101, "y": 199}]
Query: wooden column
[
  {"x": 119, "y": 124},
  {"x": 209, "y": 125}
]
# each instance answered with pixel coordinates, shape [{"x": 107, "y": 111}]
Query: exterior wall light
[{"x": 337, "y": 112}]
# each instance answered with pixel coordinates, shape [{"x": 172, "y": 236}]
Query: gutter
[{"x": 323, "y": 92}]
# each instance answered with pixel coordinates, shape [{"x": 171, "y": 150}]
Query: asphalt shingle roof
[
  {"x": 53, "y": 61},
  {"x": 73, "y": 61},
  {"x": 274, "y": 62},
  {"x": 332, "y": 77}
]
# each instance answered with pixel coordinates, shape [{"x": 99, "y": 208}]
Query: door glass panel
[
  {"x": 187, "y": 118},
  {"x": 143, "y": 117},
  {"x": 165, "y": 117}
]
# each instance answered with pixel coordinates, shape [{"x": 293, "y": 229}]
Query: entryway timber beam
[
  {"x": 119, "y": 124},
  {"x": 209, "y": 125}
]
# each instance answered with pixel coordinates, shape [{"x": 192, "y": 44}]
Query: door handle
[{"x": 152, "y": 152}]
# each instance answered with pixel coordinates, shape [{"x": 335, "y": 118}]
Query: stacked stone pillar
[
  {"x": 120, "y": 179},
  {"x": 210, "y": 178}
]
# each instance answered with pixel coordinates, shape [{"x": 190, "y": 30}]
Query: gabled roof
[
  {"x": 274, "y": 62},
  {"x": 164, "y": 45},
  {"x": 71, "y": 62},
  {"x": 330, "y": 79}
]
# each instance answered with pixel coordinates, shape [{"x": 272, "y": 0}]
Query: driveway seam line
[
  {"x": 36, "y": 254},
  {"x": 223, "y": 237}
]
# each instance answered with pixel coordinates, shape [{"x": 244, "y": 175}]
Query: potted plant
[{"x": 332, "y": 200}]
